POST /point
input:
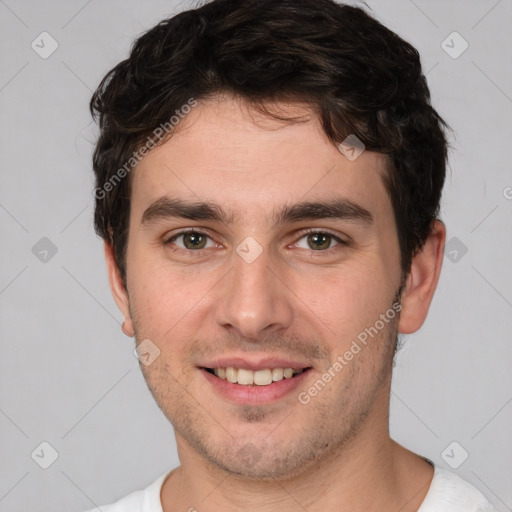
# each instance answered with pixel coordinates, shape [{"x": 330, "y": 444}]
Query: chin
[
  {"x": 267, "y": 460},
  {"x": 264, "y": 471}
]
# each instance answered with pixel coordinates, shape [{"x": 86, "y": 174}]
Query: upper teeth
[{"x": 258, "y": 377}]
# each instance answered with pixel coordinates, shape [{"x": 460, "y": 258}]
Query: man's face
[{"x": 267, "y": 288}]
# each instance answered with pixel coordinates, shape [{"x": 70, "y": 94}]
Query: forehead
[{"x": 224, "y": 151}]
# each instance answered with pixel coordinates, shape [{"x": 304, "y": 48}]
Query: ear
[
  {"x": 422, "y": 280},
  {"x": 118, "y": 289}
]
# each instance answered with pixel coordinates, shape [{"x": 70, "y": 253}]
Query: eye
[
  {"x": 191, "y": 240},
  {"x": 319, "y": 241}
]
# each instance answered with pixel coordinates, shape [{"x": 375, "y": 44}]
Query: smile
[
  {"x": 254, "y": 387},
  {"x": 262, "y": 377}
]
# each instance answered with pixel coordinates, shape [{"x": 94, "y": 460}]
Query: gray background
[{"x": 68, "y": 375}]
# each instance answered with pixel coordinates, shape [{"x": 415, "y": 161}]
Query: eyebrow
[{"x": 338, "y": 208}]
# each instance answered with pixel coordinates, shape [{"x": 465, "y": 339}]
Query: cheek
[
  {"x": 151, "y": 299},
  {"x": 164, "y": 301},
  {"x": 352, "y": 301}
]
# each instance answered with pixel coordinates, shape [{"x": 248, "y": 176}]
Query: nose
[{"x": 253, "y": 298}]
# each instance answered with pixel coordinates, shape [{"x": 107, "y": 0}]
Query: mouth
[
  {"x": 247, "y": 377},
  {"x": 264, "y": 386}
]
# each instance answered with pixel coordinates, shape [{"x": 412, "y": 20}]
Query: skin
[{"x": 292, "y": 301}]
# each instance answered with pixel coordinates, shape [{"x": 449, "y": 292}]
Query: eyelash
[{"x": 340, "y": 241}]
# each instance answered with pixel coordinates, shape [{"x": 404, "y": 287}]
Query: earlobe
[
  {"x": 118, "y": 289},
  {"x": 422, "y": 280},
  {"x": 127, "y": 328}
]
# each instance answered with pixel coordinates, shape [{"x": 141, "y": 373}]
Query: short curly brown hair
[{"x": 358, "y": 76}]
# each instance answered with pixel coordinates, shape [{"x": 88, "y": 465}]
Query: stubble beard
[{"x": 328, "y": 424}]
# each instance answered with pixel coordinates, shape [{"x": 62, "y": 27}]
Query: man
[{"x": 268, "y": 185}]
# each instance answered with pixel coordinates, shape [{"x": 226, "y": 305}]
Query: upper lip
[{"x": 254, "y": 363}]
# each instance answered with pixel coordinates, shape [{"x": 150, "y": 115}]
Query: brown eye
[
  {"x": 319, "y": 241},
  {"x": 194, "y": 240},
  {"x": 190, "y": 240}
]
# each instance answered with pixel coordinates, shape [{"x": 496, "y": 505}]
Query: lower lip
[{"x": 254, "y": 395}]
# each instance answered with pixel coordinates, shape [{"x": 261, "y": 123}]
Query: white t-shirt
[{"x": 447, "y": 493}]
